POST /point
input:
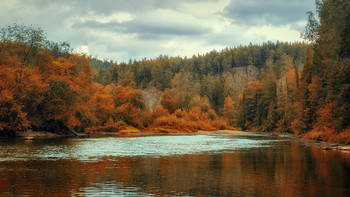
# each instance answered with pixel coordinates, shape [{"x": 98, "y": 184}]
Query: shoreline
[
  {"x": 43, "y": 135},
  {"x": 33, "y": 135}
]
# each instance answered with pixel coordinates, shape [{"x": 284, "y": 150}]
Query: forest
[{"x": 301, "y": 87}]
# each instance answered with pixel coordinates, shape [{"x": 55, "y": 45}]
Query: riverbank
[
  {"x": 125, "y": 132},
  {"x": 330, "y": 136},
  {"x": 43, "y": 134},
  {"x": 137, "y": 133},
  {"x": 312, "y": 142}
]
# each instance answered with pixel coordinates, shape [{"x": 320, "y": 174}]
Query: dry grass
[
  {"x": 165, "y": 129},
  {"x": 313, "y": 135},
  {"x": 129, "y": 129},
  {"x": 330, "y": 136},
  {"x": 115, "y": 128},
  {"x": 189, "y": 122}
]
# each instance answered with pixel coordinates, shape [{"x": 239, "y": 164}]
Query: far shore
[
  {"x": 319, "y": 144},
  {"x": 42, "y": 134},
  {"x": 222, "y": 132}
]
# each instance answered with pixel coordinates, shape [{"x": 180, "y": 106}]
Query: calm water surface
[{"x": 182, "y": 165}]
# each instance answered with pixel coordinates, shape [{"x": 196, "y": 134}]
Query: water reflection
[{"x": 271, "y": 168}]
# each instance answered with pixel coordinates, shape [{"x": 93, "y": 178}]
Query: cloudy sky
[{"x": 136, "y": 29}]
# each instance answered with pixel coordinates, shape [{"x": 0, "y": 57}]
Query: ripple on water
[{"x": 97, "y": 148}]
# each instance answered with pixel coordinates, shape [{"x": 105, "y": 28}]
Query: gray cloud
[
  {"x": 95, "y": 25},
  {"x": 155, "y": 24},
  {"x": 109, "y": 6},
  {"x": 267, "y": 12},
  {"x": 162, "y": 22},
  {"x": 120, "y": 29}
]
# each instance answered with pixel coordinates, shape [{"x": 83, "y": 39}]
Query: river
[{"x": 252, "y": 164}]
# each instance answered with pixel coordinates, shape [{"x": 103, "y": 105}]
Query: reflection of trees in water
[{"x": 282, "y": 170}]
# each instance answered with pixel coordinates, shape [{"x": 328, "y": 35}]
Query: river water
[{"x": 253, "y": 164}]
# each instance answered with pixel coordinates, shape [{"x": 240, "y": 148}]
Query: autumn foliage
[
  {"x": 300, "y": 88},
  {"x": 311, "y": 100}
]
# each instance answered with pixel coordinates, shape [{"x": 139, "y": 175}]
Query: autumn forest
[{"x": 301, "y": 88}]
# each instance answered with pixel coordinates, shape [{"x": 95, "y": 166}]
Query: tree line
[{"x": 46, "y": 87}]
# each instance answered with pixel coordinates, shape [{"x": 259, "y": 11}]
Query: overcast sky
[{"x": 136, "y": 29}]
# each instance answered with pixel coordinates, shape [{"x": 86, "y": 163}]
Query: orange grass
[
  {"x": 166, "y": 129},
  {"x": 121, "y": 128},
  {"x": 330, "y": 136}
]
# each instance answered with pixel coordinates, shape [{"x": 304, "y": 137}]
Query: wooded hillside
[{"x": 301, "y": 88}]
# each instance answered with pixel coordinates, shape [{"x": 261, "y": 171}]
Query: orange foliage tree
[
  {"x": 69, "y": 86},
  {"x": 130, "y": 106},
  {"x": 101, "y": 107},
  {"x": 21, "y": 90},
  {"x": 229, "y": 111},
  {"x": 168, "y": 102},
  {"x": 44, "y": 91}
]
